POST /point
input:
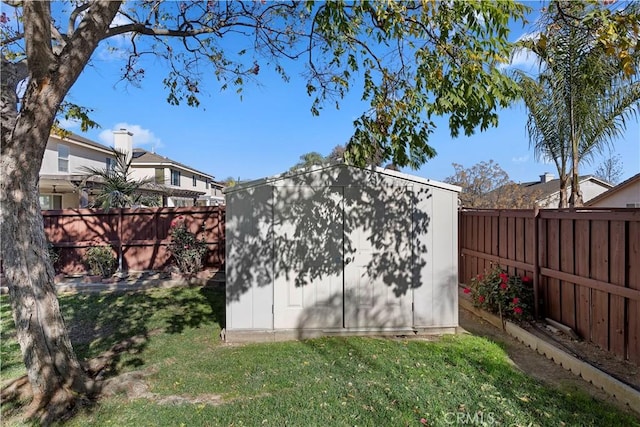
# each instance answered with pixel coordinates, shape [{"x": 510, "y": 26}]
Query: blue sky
[{"x": 266, "y": 131}]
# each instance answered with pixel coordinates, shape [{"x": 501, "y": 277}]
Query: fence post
[
  {"x": 536, "y": 263},
  {"x": 120, "y": 254}
]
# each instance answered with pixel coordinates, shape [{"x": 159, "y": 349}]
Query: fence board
[
  {"x": 582, "y": 254},
  {"x": 600, "y": 271},
  {"x": 617, "y": 306},
  {"x": 633, "y": 281},
  {"x": 567, "y": 289},
  {"x": 511, "y": 240},
  {"x": 480, "y": 241},
  {"x": 542, "y": 262},
  {"x": 553, "y": 261},
  {"x": 519, "y": 242}
]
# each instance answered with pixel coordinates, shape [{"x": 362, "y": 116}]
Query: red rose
[
  {"x": 517, "y": 310},
  {"x": 467, "y": 290},
  {"x": 503, "y": 286},
  {"x": 516, "y": 300},
  {"x": 481, "y": 298}
]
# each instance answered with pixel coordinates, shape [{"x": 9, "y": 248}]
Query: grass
[{"x": 327, "y": 381}]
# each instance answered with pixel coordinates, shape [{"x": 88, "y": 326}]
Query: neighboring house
[
  {"x": 61, "y": 173},
  {"x": 548, "y": 189},
  {"x": 624, "y": 195},
  {"x": 64, "y": 184}
]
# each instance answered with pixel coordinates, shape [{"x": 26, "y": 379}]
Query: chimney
[
  {"x": 123, "y": 141},
  {"x": 546, "y": 177}
]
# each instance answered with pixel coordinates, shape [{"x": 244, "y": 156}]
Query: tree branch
[
  {"x": 37, "y": 32},
  {"x": 140, "y": 28},
  {"x": 74, "y": 16},
  {"x": 10, "y": 40}
]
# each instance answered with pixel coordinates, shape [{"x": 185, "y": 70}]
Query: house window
[
  {"x": 63, "y": 158},
  {"x": 195, "y": 181},
  {"x": 175, "y": 177},
  {"x": 51, "y": 201},
  {"x": 160, "y": 176},
  {"x": 111, "y": 164}
]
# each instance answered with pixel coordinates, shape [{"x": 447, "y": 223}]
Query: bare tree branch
[{"x": 74, "y": 16}]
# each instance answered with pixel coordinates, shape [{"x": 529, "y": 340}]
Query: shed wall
[
  {"x": 249, "y": 268},
  {"x": 389, "y": 206}
]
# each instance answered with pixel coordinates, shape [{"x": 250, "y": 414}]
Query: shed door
[
  {"x": 378, "y": 262},
  {"x": 342, "y": 257},
  {"x": 308, "y": 252}
]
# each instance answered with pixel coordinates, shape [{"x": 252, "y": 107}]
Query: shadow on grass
[
  {"x": 110, "y": 331},
  {"x": 96, "y": 322}
]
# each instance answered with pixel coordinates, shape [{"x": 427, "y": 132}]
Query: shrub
[
  {"x": 101, "y": 261},
  {"x": 54, "y": 254},
  {"x": 187, "y": 251},
  {"x": 503, "y": 294}
]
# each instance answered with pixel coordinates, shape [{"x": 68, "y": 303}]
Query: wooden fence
[
  {"x": 143, "y": 235},
  {"x": 585, "y": 266}
]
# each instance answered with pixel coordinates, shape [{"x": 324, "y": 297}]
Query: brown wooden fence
[
  {"x": 142, "y": 233},
  {"x": 585, "y": 266}
]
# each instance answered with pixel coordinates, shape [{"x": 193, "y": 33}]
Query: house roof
[
  {"x": 144, "y": 157},
  {"x": 72, "y": 137},
  {"x": 624, "y": 184},
  {"x": 327, "y": 166},
  {"x": 552, "y": 187}
]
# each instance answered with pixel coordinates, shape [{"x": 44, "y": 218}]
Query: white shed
[{"x": 341, "y": 250}]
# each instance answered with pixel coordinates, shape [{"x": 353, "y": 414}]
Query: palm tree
[
  {"x": 585, "y": 92},
  {"x": 117, "y": 188},
  {"x": 545, "y": 128}
]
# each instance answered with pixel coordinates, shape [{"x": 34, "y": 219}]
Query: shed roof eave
[{"x": 303, "y": 171}]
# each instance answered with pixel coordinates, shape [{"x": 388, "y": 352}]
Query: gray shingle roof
[{"x": 141, "y": 156}]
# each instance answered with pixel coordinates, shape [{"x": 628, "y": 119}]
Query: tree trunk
[
  {"x": 55, "y": 375},
  {"x": 563, "y": 193},
  {"x": 54, "y": 372},
  {"x": 576, "y": 194}
]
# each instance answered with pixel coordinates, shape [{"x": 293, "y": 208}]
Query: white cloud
[
  {"x": 141, "y": 136},
  {"x": 521, "y": 159},
  {"x": 524, "y": 59}
]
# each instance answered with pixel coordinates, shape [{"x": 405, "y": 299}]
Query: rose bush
[
  {"x": 186, "y": 249},
  {"x": 498, "y": 292}
]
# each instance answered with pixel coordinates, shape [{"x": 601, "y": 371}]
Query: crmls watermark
[{"x": 466, "y": 418}]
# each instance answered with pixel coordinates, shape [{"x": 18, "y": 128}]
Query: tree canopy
[
  {"x": 411, "y": 61},
  {"x": 487, "y": 186}
]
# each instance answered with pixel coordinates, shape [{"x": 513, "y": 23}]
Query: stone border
[{"x": 590, "y": 373}]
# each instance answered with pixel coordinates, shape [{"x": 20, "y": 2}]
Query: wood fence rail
[
  {"x": 143, "y": 235},
  {"x": 585, "y": 266}
]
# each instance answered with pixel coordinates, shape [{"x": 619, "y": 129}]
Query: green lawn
[{"x": 458, "y": 380}]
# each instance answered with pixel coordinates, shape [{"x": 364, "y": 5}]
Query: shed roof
[{"x": 327, "y": 166}]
